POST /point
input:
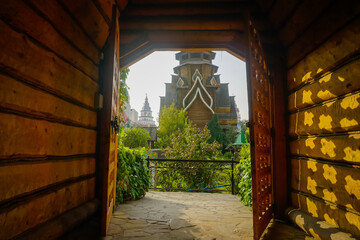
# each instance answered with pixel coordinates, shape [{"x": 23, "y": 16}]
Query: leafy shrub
[
  {"x": 243, "y": 176},
  {"x": 228, "y": 156},
  {"x": 134, "y": 137},
  {"x": 216, "y": 131},
  {"x": 171, "y": 120},
  {"x": 132, "y": 180},
  {"x": 191, "y": 143}
]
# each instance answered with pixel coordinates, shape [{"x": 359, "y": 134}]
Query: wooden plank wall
[
  {"x": 49, "y": 75},
  {"x": 324, "y": 119}
]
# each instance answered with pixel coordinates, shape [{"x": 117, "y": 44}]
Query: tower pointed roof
[
  {"x": 146, "y": 106},
  {"x": 146, "y": 118}
]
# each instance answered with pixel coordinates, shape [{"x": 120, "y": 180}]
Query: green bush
[
  {"x": 171, "y": 120},
  {"x": 243, "y": 176},
  {"x": 216, "y": 131},
  {"x": 190, "y": 143},
  {"x": 132, "y": 179},
  {"x": 134, "y": 137}
]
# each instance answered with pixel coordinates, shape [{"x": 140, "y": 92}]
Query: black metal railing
[{"x": 191, "y": 175}]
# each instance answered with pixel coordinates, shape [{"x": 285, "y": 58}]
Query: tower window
[{"x": 195, "y": 55}]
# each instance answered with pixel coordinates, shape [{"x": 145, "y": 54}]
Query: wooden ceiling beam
[
  {"x": 121, "y": 4},
  {"x": 128, "y": 48},
  {"x": 226, "y": 22},
  {"x": 281, "y": 12},
  {"x": 261, "y": 22},
  {"x": 193, "y": 36},
  {"x": 149, "y": 48},
  {"x": 129, "y": 41},
  {"x": 152, "y": 2},
  {"x": 301, "y": 19},
  {"x": 338, "y": 14},
  {"x": 188, "y": 9},
  {"x": 232, "y": 41},
  {"x": 266, "y": 5}
]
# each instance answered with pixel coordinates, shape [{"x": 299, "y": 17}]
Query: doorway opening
[{"x": 202, "y": 83}]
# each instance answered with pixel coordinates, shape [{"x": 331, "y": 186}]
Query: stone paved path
[{"x": 174, "y": 215}]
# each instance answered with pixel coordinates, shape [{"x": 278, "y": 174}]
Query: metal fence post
[{"x": 232, "y": 177}]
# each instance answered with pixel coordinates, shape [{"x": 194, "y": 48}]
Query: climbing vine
[{"x": 123, "y": 92}]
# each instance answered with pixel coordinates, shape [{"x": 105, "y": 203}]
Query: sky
[{"x": 149, "y": 75}]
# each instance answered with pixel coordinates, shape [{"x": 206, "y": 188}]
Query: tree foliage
[
  {"x": 226, "y": 138},
  {"x": 171, "y": 120},
  {"x": 243, "y": 176},
  {"x": 135, "y": 137},
  {"x": 192, "y": 143},
  {"x": 230, "y": 136},
  {"x": 123, "y": 91},
  {"x": 216, "y": 131},
  {"x": 183, "y": 141},
  {"x": 132, "y": 179}
]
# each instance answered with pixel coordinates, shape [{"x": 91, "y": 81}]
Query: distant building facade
[
  {"x": 133, "y": 116},
  {"x": 130, "y": 115},
  {"x": 196, "y": 88}
]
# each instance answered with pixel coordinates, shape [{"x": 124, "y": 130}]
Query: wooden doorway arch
[{"x": 140, "y": 37}]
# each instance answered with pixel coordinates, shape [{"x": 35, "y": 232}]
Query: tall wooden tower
[{"x": 196, "y": 88}]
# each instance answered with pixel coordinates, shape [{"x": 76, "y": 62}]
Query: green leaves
[
  {"x": 216, "y": 131},
  {"x": 132, "y": 179},
  {"x": 243, "y": 176},
  {"x": 190, "y": 143},
  {"x": 135, "y": 137},
  {"x": 123, "y": 91},
  {"x": 170, "y": 121}
]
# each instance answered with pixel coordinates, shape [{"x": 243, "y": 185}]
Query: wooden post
[{"x": 280, "y": 162}]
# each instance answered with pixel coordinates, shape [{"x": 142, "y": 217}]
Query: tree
[
  {"x": 216, "y": 131},
  {"x": 135, "y": 137},
  {"x": 230, "y": 136},
  {"x": 192, "y": 143},
  {"x": 171, "y": 120}
]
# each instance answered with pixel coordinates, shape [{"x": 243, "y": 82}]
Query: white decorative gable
[{"x": 197, "y": 77}]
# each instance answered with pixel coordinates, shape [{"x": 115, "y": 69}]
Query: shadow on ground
[{"x": 174, "y": 215}]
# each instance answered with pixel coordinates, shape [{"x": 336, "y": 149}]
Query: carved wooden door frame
[
  {"x": 108, "y": 123},
  {"x": 260, "y": 121}
]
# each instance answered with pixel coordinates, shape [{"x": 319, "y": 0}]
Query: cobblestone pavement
[{"x": 176, "y": 215}]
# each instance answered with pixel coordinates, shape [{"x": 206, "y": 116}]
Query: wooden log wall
[
  {"x": 324, "y": 118},
  {"x": 49, "y": 76}
]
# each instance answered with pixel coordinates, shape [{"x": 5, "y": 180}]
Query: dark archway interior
[{"x": 52, "y": 83}]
